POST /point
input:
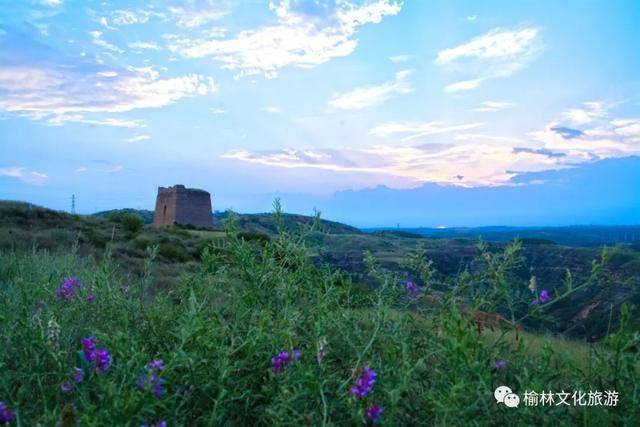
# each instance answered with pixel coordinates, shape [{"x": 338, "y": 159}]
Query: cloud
[
  {"x": 471, "y": 17},
  {"x": 490, "y": 106},
  {"x": 217, "y": 110},
  {"x": 137, "y": 138},
  {"x": 65, "y": 90},
  {"x": 590, "y": 112},
  {"x": 466, "y": 164},
  {"x": 270, "y": 109},
  {"x": 463, "y": 85},
  {"x": 459, "y": 158},
  {"x": 495, "y": 54},
  {"x": 413, "y": 130},
  {"x": 97, "y": 40},
  {"x": 565, "y": 132},
  {"x": 193, "y": 14},
  {"x": 369, "y": 96},
  {"x": 51, "y": 2},
  {"x": 305, "y": 35},
  {"x": 144, "y": 46},
  {"x": 79, "y": 118},
  {"x": 600, "y": 137},
  {"x": 131, "y": 17},
  {"x": 24, "y": 175}
]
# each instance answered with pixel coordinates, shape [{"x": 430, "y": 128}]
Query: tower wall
[{"x": 183, "y": 206}]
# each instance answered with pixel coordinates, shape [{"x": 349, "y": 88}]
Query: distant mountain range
[
  {"x": 569, "y": 236},
  {"x": 601, "y": 192}
]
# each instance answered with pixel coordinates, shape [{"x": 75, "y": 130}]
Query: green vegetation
[{"x": 221, "y": 328}]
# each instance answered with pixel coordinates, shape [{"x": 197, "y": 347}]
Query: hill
[{"x": 340, "y": 247}]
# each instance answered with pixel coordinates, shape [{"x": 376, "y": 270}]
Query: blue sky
[{"x": 312, "y": 100}]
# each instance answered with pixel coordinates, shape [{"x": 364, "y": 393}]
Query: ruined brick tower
[{"x": 183, "y": 206}]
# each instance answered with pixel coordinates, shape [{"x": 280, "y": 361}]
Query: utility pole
[{"x": 73, "y": 203}]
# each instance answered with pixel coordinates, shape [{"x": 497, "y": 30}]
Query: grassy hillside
[
  {"x": 585, "y": 315},
  {"x": 257, "y": 334}
]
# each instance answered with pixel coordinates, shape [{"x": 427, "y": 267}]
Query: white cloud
[
  {"x": 495, "y": 54},
  {"x": 44, "y": 91},
  {"x": 137, "y": 138},
  {"x": 24, "y": 175},
  {"x": 79, "y": 118},
  {"x": 467, "y": 159},
  {"x": 270, "y": 109},
  {"x": 130, "y": 17},
  {"x": 144, "y": 46},
  {"x": 217, "y": 110},
  {"x": 81, "y": 169},
  {"x": 471, "y": 17},
  {"x": 463, "y": 85},
  {"x": 590, "y": 112},
  {"x": 369, "y": 96},
  {"x": 489, "y": 106},
  {"x": 97, "y": 40},
  {"x": 413, "y": 130},
  {"x": 51, "y": 2},
  {"x": 192, "y": 17},
  {"x": 299, "y": 38}
]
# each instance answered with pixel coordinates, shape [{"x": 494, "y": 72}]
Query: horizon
[{"x": 374, "y": 112}]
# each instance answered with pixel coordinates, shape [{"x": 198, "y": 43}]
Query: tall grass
[{"x": 218, "y": 331}]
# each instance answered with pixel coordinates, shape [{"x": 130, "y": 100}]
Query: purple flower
[
  {"x": 91, "y": 298},
  {"x": 66, "y": 387},
  {"x": 544, "y": 296},
  {"x": 161, "y": 423},
  {"x": 89, "y": 347},
  {"x": 500, "y": 364},
  {"x": 411, "y": 287},
  {"x": 156, "y": 365},
  {"x": 364, "y": 383},
  {"x": 68, "y": 288},
  {"x": 78, "y": 375},
  {"x": 6, "y": 415},
  {"x": 103, "y": 360},
  {"x": 125, "y": 289},
  {"x": 374, "y": 412},
  {"x": 149, "y": 378},
  {"x": 40, "y": 305},
  {"x": 283, "y": 359}
]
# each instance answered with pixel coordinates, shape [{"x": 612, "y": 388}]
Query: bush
[
  {"x": 173, "y": 252},
  {"x": 132, "y": 223}
]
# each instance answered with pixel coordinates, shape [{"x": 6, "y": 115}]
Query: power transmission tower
[{"x": 73, "y": 203}]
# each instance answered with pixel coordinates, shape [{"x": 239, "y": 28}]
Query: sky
[{"x": 410, "y": 108}]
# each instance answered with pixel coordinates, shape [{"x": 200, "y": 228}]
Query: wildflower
[
  {"x": 411, "y": 287},
  {"x": 103, "y": 360},
  {"x": 283, "y": 359},
  {"x": 322, "y": 349},
  {"x": 53, "y": 332},
  {"x": 78, "y": 375},
  {"x": 40, "y": 305},
  {"x": 364, "y": 384},
  {"x": 156, "y": 364},
  {"x": 500, "y": 364},
  {"x": 149, "y": 378},
  {"x": 161, "y": 423},
  {"x": 374, "y": 412},
  {"x": 6, "y": 415},
  {"x": 544, "y": 296},
  {"x": 66, "y": 387},
  {"x": 533, "y": 284},
  {"x": 125, "y": 289},
  {"x": 68, "y": 289},
  {"x": 91, "y": 298},
  {"x": 89, "y": 347}
]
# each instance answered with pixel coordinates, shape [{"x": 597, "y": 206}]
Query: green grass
[{"x": 221, "y": 324}]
